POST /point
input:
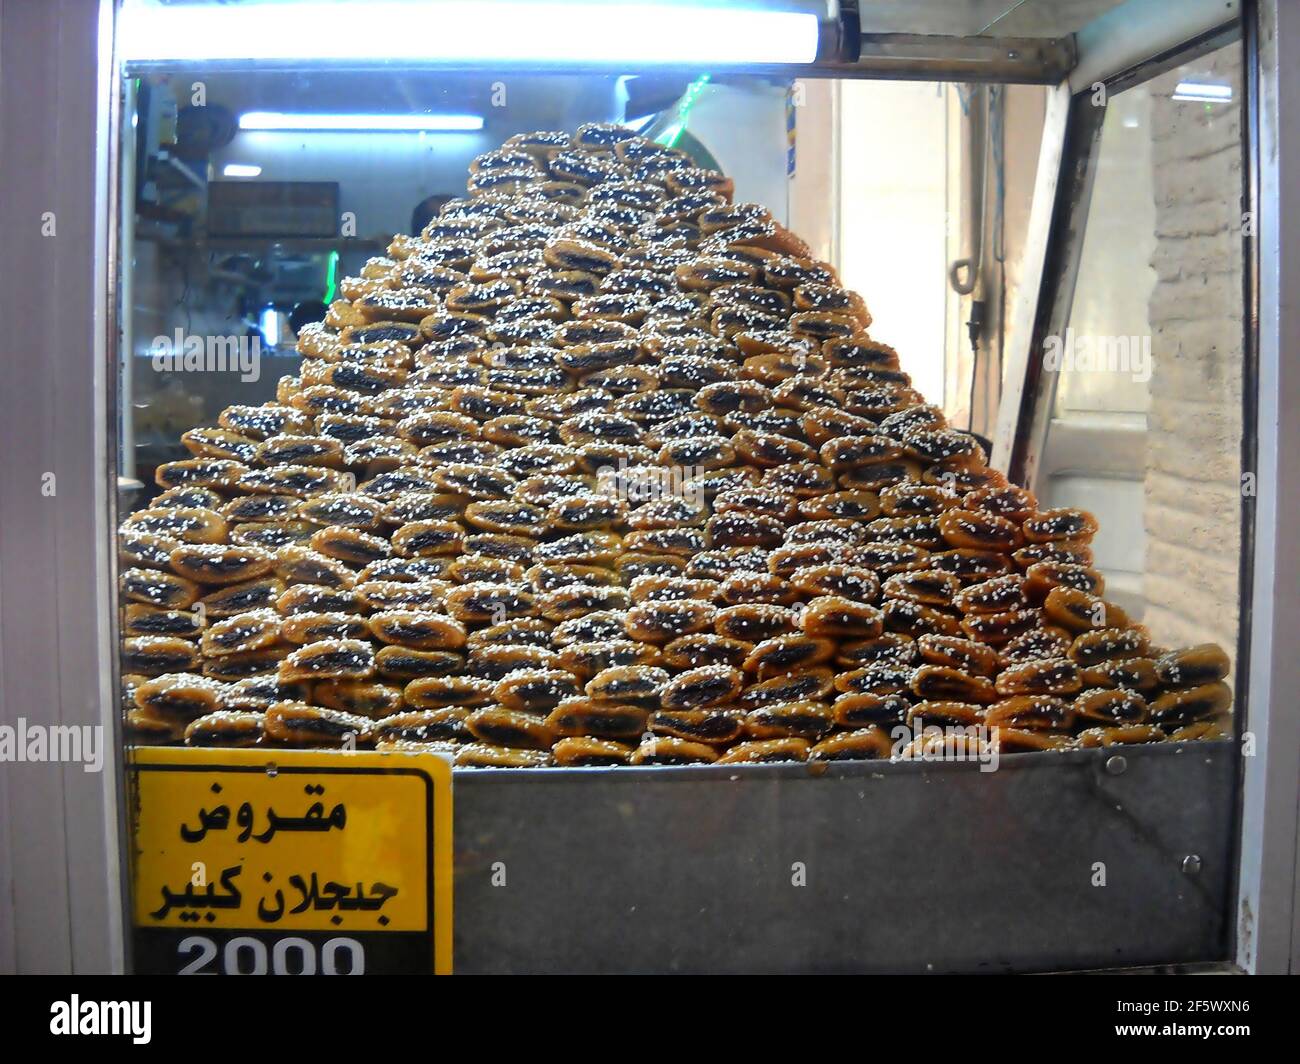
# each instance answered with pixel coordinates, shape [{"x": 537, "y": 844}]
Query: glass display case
[{"x": 756, "y": 487}]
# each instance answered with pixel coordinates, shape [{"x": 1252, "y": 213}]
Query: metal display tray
[{"x": 1055, "y": 861}]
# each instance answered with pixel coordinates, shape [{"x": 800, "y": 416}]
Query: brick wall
[{"x": 1193, "y": 495}]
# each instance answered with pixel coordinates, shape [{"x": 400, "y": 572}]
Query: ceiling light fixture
[{"x": 474, "y": 31}]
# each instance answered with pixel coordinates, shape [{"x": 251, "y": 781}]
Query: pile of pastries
[{"x": 603, "y": 468}]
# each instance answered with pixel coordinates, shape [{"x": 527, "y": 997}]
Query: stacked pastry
[{"x": 601, "y": 469}]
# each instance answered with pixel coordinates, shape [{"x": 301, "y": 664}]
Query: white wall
[
  {"x": 893, "y": 211},
  {"x": 814, "y": 186}
]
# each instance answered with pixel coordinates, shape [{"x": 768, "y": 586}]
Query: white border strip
[{"x": 1268, "y": 903}]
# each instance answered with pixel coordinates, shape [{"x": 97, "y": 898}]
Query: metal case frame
[{"x": 1087, "y": 859}]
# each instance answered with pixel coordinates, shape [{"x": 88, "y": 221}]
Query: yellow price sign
[{"x": 291, "y": 861}]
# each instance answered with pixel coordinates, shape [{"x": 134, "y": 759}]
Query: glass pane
[
  {"x": 1116, "y": 278},
  {"x": 1146, "y": 427}
]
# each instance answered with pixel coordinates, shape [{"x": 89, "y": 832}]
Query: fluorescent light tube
[
  {"x": 471, "y": 31},
  {"x": 395, "y": 123},
  {"x": 240, "y": 170},
  {"x": 1203, "y": 91}
]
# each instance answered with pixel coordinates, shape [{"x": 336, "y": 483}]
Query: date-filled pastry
[{"x": 602, "y": 470}]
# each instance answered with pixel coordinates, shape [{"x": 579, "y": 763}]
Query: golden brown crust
[{"x": 600, "y": 453}]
